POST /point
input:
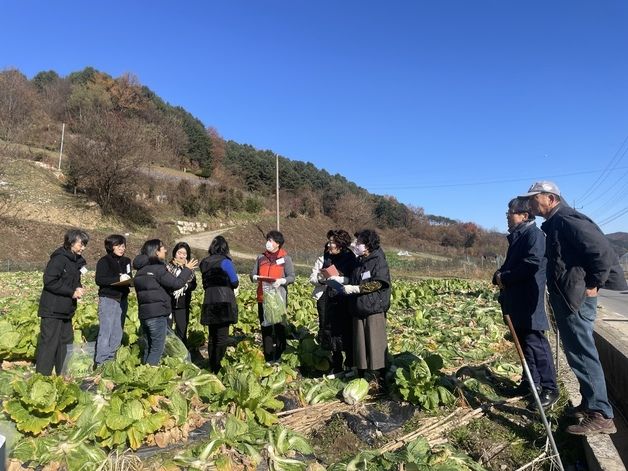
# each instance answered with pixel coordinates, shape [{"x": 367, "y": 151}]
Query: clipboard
[
  {"x": 267, "y": 279},
  {"x": 128, "y": 282},
  {"x": 330, "y": 271}
]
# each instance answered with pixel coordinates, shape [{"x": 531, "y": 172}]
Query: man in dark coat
[
  {"x": 522, "y": 282},
  {"x": 580, "y": 261},
  {"x": 62, "y": 288}
]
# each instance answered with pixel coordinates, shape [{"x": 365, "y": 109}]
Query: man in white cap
[{"x": 580, "y": 261}]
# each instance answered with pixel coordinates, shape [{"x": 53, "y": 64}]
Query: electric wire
[{"x": 619, "y": 155}]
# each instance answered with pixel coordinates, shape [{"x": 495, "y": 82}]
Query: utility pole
[
  {"x": 61, "y": 150},
  {"x": 277, "y": 186}
]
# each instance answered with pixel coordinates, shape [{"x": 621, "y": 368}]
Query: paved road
[{"x": 613, "y": 301}]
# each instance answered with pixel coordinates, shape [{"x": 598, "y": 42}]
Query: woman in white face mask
[
  {"x": 273, "y": 271},
  {"x": 369, "y": 289}
]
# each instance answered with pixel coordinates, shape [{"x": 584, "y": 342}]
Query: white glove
[
  {"x": 124, "y": 277},
  {"x": 236, "y": 291},
  {"x": 255, "y": 277},
  {"x": 343, "y": 280},
  {"x": 178, "y": 293},
  {"x": 279, "y": 282},
  {"x": 352, "y": 289}
]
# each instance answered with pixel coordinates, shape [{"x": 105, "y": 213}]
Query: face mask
[
  {"x": 270, "y": 245},
  {"x": 358, "y": 249}
]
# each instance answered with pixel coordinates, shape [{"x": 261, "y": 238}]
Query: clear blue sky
[{"x": 454, "y": 106}]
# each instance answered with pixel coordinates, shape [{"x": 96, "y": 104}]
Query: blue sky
[{"x": 453, "y": 106}]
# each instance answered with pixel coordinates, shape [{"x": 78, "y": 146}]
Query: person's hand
[
  {"x": 124, "y": 277},
  {"x": 255, "y": 277},
  {"x": 192, "y": 264},
  {"x": 591, "y": 292},
  {"x": 78, "y": 293},
  {"x": 352, "y": 289},
  {"x": 236, "y": 291},
  {"x": 279, "y": 282},
  {"x": 498, "y": 280},
  {"x": 343, "y": 280}
]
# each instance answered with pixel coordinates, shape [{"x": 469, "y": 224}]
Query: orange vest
[{"x": 271, "y": 269}]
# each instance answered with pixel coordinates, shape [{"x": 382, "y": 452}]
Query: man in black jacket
[
  {"x": 580, "y": 261},
  {"x": 62, "y": 288}
]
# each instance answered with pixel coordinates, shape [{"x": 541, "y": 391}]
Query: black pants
[
  {"x": 181, "y": 320},
  {"x": 538, "y": 355},
  {"x": 273, "y": 337},
  {"x": 54, "y": 337},
  {"x": 217, "y": 344}
]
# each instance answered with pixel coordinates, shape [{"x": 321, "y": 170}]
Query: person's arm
[
  {"x": 533, "y": 252},
  {"x": 316, "y": 270},
  {"x": 229, "y": 269},
  {"x": 104, "y": 277},
  {"x": 171, "y": 282},
  {"x": 594, "y": 251},
  {"x": 53, "y": 278},
  {"x": 255, "y": 271},
  {"x": 288, "y": 270}
]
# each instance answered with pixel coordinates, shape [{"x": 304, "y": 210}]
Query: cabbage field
[{"x": 448, "y": 354}]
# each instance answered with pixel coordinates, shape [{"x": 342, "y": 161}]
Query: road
[{"x": 613, "y": 301}]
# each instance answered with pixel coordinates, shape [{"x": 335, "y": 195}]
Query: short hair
[
  {"x": 185, "y": 246},
  {"x": 276, "y": 236},
  {"x": 521, "y": 205},
  {"x": 369, "y": 238},
  {"x": 340, "y": 237},
  {"x": 218, "y": 246},
  {"x": 113, "y": 241},
  {"x": 150, "y": 249},
  {"x": 74, "y": 235}
]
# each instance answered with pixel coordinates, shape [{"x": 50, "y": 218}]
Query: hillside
[
  {"x": 133, "y": 161},
  {"x": 619, "y": 241}
]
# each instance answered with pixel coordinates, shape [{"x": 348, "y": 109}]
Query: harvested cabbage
[{"x": 355, "y": 391}]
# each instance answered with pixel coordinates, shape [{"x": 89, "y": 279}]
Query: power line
[
  {"x": 614, "y": 217},
  {"x": 480, "y": 183},
  {"x": 606, "y": 172}
]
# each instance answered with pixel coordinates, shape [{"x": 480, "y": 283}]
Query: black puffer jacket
[
  {"x": 108, "y": 271},
  {"x": 153, "y": 282},
  {"x": 219, "y": 304},
  {"x": 372, "y": 267},
  {"x": 579, "y": 256},
  {"x": 61, "y": 278}
]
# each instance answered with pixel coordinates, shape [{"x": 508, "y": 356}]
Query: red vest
[{"x": 271, "y": 269}]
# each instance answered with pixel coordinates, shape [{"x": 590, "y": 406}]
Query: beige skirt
[{"x": 369, "y": 342}]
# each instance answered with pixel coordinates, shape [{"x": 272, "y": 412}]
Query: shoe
[
  {"x": 576, "y": 412},
  {"x": 549, "y": 397},
  {"x": 522, "y": 389},
  {"x": 593, "y": 423}
]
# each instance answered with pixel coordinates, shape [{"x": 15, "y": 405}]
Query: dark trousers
[
  {"x": 54, "y": 337},
  {"x": 217, "y": 344},
  {"x": 155, "y": 331},
  {"x": 273, "y": 337},
  {"x": 538, "y": 355},
  {"x": 181, "y": 320}
]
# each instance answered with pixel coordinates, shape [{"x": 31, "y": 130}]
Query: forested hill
[{"x": 116, "y": 128}]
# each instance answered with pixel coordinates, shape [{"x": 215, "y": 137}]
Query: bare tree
[
  {"x": 353, "y": 211},
  {"x": 17, "y": 102},
  {"x": 104, "y": 158}
]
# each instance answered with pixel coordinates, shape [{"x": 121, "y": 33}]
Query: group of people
[
  {"x": 164, "y": 293},
  {"x": 352, "y": 289},
  {"x": 352, "y": 309},
  {"x": 571, "y": 256}
]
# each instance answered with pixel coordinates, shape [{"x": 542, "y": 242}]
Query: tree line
[{"x": 117, "y": 128}]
